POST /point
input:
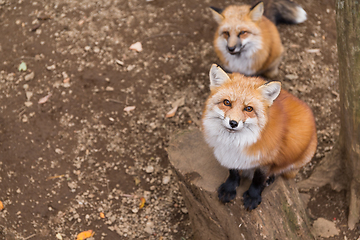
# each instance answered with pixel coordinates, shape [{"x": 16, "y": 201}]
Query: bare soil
[{"x": 78, "y": 154}]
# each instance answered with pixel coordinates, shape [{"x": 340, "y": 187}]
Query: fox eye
[
  {"x": 242, "y": 33},
  {"x": 226, "y": 34},
  {"x": 249, "y": 108},
  {"x": 227, "y": 103}
]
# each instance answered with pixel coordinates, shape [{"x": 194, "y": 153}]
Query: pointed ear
[
  {"x": 256, "y": 11},
  {"x": 216, "y": 12},
  {"x": 217, "y": 76},
  {"x": 270, "y": 91}
]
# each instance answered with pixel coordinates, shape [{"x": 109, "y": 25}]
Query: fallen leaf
[
  {"x": 129, "y": 108},
  {"x": 102, "y": 215},
  {"x": 137, "y": 181},
  {"x": 84, "y": 235},
  {"x": 172, "y": 112},
  {"x": 22, "y": 67},
  {"x": 142, "y": 203},
  {"x": 121, "y": 63},
  {"x": 136, "y": 47},
  {"x": 44, "y": 99},
  {"x": 58, "y": 236},
  {"x": 57, "y": 176},
  {"x": 178, "y": 103},
  {"x": 314, "y": 50},
  {"x": 1, "y": 206}
]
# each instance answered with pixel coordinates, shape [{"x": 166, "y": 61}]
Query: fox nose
[
  {"x": 231, "y": 49},
  {"x": 233, "y": 123}
]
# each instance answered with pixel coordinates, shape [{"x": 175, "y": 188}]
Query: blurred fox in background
[{"x": 247, "y": 40}]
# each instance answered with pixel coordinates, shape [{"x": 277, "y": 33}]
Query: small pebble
[
  {"x": 166, "y": 180},
  {"x": 149, "y": 169},
  {"x": 29, "y": 76}
]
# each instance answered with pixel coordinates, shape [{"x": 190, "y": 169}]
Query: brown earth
[{"x": 79, "y": 154}]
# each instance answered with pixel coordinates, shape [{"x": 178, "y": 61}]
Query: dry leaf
[
  {"x": 1, "y": 206},
  {"x": 22, "y": 67},
  {"x": 84, "y": 235},
  {"x": 121, "y": 63},
  {"x": 314, "y": 50},
  {"x": 129, "y": 108},
  {"x": 136, "y": 47},
  {"x": 142, "y": 203},
  {"x": 178, "y": 103},
  {"x": 172, "y": 112},
  {"x": 137, "y": 181},
  {"x": 102, "y": 215},
  {"x": 44, "y": 99}
]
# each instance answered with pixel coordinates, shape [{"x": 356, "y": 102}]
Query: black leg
[
  {"x": 227, "y": 190},
  {"x": 252, "y": 197}
]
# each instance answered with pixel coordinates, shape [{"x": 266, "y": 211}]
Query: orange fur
[
  {"x": 264, "y": 61},
  {"x": 287, "y": 139}
]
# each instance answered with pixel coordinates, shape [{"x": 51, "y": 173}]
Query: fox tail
[{"x": 284, "y": 11}]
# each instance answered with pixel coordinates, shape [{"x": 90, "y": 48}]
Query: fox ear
[
  {"x": 216, "y": 12},
  {"x": 270, "y": 91},
  {"x": 217, "y": 76},
  {"x": 256, "y": 11}
]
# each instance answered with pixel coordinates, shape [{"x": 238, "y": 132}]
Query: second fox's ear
[
  {"x": 217, "y": 76},
  {"x": 270, "y": 91},
  {"x": 257, "y": 11},
  {"x": 216, "y": 12}
]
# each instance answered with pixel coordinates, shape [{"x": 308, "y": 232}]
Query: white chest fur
[{"x": 229, "y": 146}]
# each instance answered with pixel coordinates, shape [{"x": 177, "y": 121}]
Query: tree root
[{"x": 329, "y": 171}]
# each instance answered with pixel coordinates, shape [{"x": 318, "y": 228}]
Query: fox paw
[
  {"x": 225, "y": 193},
  {"x": 251, "y": 202}
]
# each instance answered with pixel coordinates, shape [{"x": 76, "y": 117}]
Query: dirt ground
[{"x": 84, "y": 150}]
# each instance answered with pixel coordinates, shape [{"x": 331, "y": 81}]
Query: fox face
[
  {"x": 246, "y": 41},
  {"x": 238, "y": 31},
  {"x": 235, "y": 114}
]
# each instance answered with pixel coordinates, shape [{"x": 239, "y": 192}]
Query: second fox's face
[{"x": 238, "y": 31}]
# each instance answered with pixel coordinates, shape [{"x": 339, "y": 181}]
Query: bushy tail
[{"x": 284, "y": 11}]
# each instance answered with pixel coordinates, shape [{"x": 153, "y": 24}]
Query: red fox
[
  {"x": 246, "y": 41},
  {"x": 254, "y": 125}
]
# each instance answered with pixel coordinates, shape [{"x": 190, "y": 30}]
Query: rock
[
  {"x": 184, "y": 210},
  {"x": 72, "y": 186},
  {"x": 135, "y": 210},
  {"x": 28, "y": 104},
  {"x": 51, "y": 68},
  {"x": 29, "y": 95},
  {"x": 149, "y": 169},
  {"x": 324, "y": 228},
  {"x": 29, "y": 76},
  {"x": 58, "y": 236},
  {"x": 166, "y": 180},
  {"x": 109, "y": 89},
  {"x": 149, "y": 228},
  {"x": 59, "y": 151},
  {"x": 291, "y": 76}
]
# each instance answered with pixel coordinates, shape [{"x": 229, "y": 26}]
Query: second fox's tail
[{"x": 284, "y": 11}]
